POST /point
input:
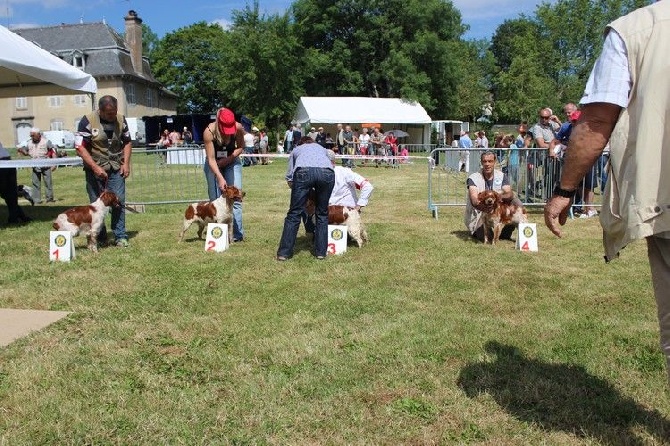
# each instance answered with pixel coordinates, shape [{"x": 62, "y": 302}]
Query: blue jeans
[
  {"x": 117, "y": 184},
  {"x": 232, "y": 173},
  {"x": 304, "y": 179},
  {"x": 249, "y": 160}
]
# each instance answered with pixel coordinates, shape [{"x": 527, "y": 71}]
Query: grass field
[{"x": 421, "y": 337}]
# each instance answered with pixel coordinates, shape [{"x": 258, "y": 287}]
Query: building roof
[
  {"x": 333, "y": 110},
  {"x": 104, "y": 50}
]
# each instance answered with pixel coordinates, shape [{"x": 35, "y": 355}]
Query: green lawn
[{"x": 421, "y": 337}]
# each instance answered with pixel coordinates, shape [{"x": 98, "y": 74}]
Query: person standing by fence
[
  {"x": 224, "y": 142},
  {"x": 39, "y": 147}
]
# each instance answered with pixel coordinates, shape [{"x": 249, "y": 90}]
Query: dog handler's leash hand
[{"x": 556, "y": 213}]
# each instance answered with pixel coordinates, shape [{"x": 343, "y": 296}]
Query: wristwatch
[{"x": 564, "y": 192}]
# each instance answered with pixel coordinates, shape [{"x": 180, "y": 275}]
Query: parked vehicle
[
  {"x": 137, "y": 131},
  {"x": 63, "y": 139}
]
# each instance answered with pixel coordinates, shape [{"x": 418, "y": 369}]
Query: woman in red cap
[{"x": 224, "y": 141}]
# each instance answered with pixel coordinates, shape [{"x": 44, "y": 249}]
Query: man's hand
[
  {"x": 100, "y": 173},
  {"x": 556, "y": 213},
  {"x": 125, "y": 170}
]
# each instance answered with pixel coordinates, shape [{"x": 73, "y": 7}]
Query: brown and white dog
[
  {"x": 351, "y": 218},
  {"x": 498, "y": 213},
  {"x": 87, "y": 219},
  {"x": 341, "y": 215},
  {"x": 217, "y": 211}
]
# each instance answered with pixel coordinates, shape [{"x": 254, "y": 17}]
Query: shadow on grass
[{"x": 560, "y": 397}]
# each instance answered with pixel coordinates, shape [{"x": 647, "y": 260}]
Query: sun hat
[{"x": 225, "y": 119}]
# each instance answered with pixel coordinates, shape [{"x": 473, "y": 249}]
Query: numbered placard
[
  {"x": 61, "y": 248},
  {"x": 217, "y": 237},
  {"x": 337, "y": 239},
  {"x": 526, "y": 239}
]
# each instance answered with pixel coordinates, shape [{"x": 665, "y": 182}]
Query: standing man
[
  {"x": 543, "y": 135},
  {"x": 224, "y": 142},
  {"x": 321, "y": 137},
  {"x": 38, "y": 147},
  {"x": 104, "y": 144},
  {"x": 288, "y": 139},
  {"x": 309, "y": 168},
  {"x": 627, "y": 101},
  {"x": 465, "y": 144}
]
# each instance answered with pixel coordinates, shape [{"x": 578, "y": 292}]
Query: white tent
[
  {"x": 333, "y": 110},
  {"x": 28, "y": 70}
]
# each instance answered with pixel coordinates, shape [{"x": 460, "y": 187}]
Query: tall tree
[
  {"x": 190, "y": 62},
  {"x": 265, "y": 74},
  {"x": 381, "y": 48},
  {"x": 149, "y": 40}
]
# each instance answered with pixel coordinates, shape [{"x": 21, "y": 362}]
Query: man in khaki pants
[{"x": 626, "y": 102}]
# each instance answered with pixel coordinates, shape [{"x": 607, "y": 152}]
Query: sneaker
[
  {"x": 590, "y": 213},
  {"x": 51, "y": 200},
  {"x": 122, "y": 243}
]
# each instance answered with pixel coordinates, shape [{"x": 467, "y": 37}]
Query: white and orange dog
[
  {"x": 351, "y": 218},
  {"x": 217, "y": 211},
  {"x": 87, "y": 219},
  {"x": 498, "y": 213}
]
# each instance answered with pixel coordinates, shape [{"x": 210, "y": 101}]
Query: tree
[
  {"x": 190, "y": 62},
  {"x": 381, "y": 48},
  {"x": 149, "y": 40},
  {"x": 265, "y": 74}
]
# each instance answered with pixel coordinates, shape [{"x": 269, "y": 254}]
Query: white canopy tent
[
  {"x": 390, "y": 113},
  {"x": 28, "y": 70}
]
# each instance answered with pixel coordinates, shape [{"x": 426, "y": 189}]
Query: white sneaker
[{"x": 589, "y": 214}]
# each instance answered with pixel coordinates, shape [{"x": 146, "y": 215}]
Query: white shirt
[
  {"x": 346, "y": 183},
  {"x": 363, "y": 140},
  {"x": 248, "y": 140}
]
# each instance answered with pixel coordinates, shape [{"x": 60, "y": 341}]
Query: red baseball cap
[{"x": 225, "y": 118}]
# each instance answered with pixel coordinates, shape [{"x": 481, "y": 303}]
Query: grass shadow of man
[{"x": 560, "y": 397}]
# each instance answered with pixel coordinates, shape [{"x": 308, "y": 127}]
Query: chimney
[{"x": 134, "y": 39}]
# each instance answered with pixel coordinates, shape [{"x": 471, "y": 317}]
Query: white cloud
[{"x": 223, "y": 23}]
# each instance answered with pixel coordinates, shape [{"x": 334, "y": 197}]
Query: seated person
[{"x": 488, "y": 178}]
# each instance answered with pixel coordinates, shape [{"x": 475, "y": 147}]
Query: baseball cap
[{"x": 225, "y": 119}]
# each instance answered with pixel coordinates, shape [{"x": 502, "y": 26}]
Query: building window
[
  {"x": 22, "y": 103},
  {"x": 151, "y": 95},
  {"x": 57, "y": 124},
  {"x": 78, "y": 61},
  {"x": 79, "y": 100},
  {"x": 130, "y": 94},
  {"x": 55, "y": 101}
]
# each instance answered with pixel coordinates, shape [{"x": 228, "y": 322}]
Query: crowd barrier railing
[{"x": 531, "y": 173}]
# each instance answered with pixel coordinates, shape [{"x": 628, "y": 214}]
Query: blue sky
[{"x": 164, "y": 16}]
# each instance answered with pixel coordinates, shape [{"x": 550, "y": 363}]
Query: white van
[{"x": 63, "y": 139}]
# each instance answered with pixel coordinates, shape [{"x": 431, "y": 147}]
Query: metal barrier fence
[{"x": 532, "y": 175}]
